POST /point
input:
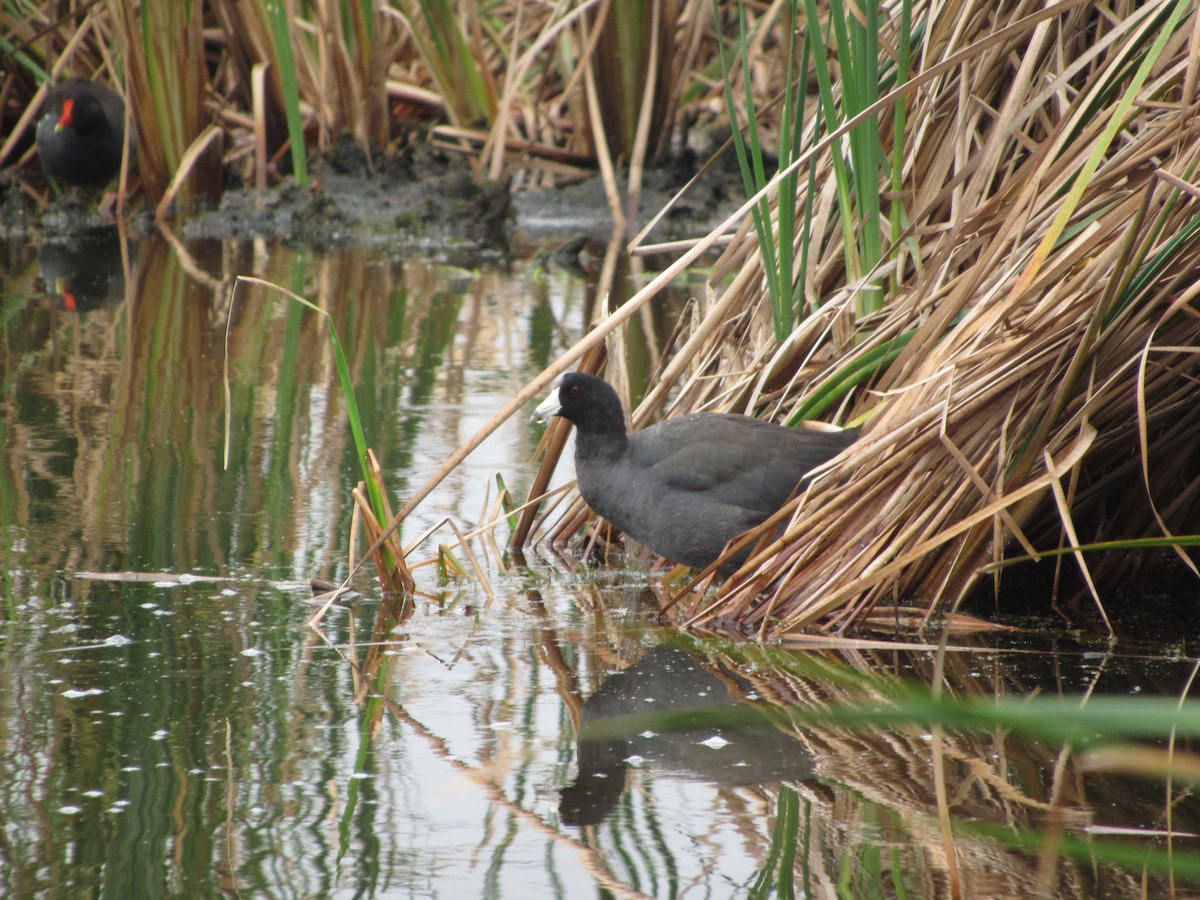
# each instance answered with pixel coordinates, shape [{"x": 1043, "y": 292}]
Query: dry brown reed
[
  {"x": 1036, "y": 365},
  {"x": 512, "y": 79},
  {"x": 1041, "y": 308}
]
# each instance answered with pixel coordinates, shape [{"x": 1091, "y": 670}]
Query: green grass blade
[{"x": 291, "y": 92}]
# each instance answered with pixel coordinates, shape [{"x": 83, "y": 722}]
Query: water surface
[{"x": 170, "y": 725}]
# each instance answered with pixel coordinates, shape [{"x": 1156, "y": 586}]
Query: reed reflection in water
[{"x": 186, "y": 733}]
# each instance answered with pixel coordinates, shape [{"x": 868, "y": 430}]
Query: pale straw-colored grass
[{"x": 1041, "y": 309}]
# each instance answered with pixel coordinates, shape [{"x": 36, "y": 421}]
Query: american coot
[
  {"x": 685, "y": 486},
  {"x": 81, "y": 133}
]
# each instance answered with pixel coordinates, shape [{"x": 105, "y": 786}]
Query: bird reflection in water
[
  {"x": 725, "y": 742},
  {"x": 84, "y": 271}
]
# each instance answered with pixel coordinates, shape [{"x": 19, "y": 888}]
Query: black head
[{"x": 586, "y": 400}]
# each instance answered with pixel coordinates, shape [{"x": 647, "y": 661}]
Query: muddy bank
[{"x": 425, "y": 198}]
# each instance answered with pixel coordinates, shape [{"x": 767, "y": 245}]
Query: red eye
[{"x": 573, "y": 390}]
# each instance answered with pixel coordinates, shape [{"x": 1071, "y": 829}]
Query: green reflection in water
[{"x": 199, "y": 740}]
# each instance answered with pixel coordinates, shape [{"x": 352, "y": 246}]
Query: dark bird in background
[{"x": 81, "y": 133}]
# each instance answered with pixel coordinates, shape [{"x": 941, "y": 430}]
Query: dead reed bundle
[
  {"x": 1040, "y": 336},
  {"x": 1030, "y": 376}
]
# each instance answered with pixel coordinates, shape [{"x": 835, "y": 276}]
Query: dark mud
[{"x": 422, "y": 198}]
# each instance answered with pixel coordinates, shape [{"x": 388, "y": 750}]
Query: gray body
[{"x": 686, "y": 486}]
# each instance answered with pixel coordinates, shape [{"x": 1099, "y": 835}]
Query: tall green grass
[
  {"x": 783, "y": 222},
  {"x": 448, "y": 37},
  {"x": 281, "y": 30},
  {"x": 776, "y": 240},
  {"x": 856, "y": 45}
]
